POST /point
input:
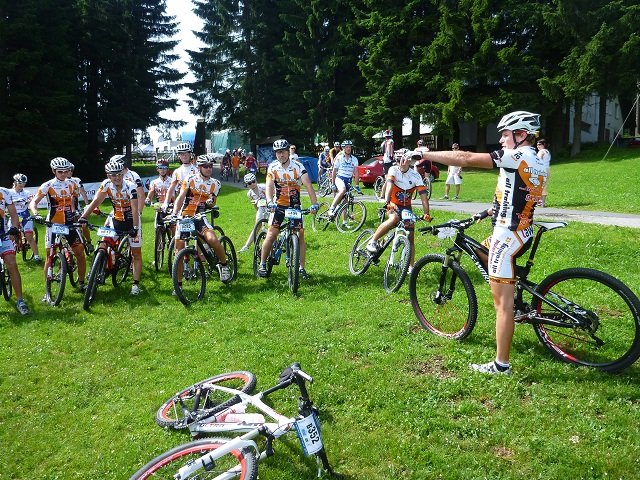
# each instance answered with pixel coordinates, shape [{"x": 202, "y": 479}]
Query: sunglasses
[
  {"x": 115, "y": 174},
  {"x": 207, "y": 165},
  {"x": 63, "y": 171},
  {"x": 251, "y": 183}
]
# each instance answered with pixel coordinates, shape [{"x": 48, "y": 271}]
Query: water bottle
[{"x": 245, "y": 418}]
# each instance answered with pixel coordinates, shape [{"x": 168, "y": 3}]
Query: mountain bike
[
  {"x": 22, "y": 246},
  {"x": 170, "y": 222},
  {"x": 377, "y": 187},
  {"x": 580, "y": 315},
  {"x": 112, "y": 258},
  {"x": 349, "y": 215},
  {"x": 192, "y": 258},
  {"x": 5, "y": 281},
  {"x": 287, "y": 242},
  {"x": 397, "y": 265},
  {"x": 238, "y": 457},
  {"x": 163, "y": 236},
  {"x": 62, "y": 263},
  {"x": 325, "y": 184}
]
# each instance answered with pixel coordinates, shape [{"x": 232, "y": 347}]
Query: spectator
[
  {"x": 545, "y": 155},
  {"x": 454, "y": 177}
]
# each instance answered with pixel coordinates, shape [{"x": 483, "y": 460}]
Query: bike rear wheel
[
  {"x": 5, "y": 283},
  {"x": 72, "y": 267},
  {"x": 56, "y": 282},
  {"x": 159, "y": 248},
  {"x": 27, "y": 253},
  {"x": 293, "y": 261},
  {"x": 427, "y": 186},
  {"x": 240, "y": 463},
  {"x": 351, "y": 216},
  {"x": 320, "y": 221},
  {"x": 171, "y": 251},
  {"x": 395, "y": 270},
  {"x": 260, "y": 226},
  {"x": 193, "y": 284},
  {"x": 360, "y": 258},
  {"x": 123, "y": 262},
  {"x": 609, "y": 337},
  {"x": 377, "y": 187},
  {"x": 96, "y": 277},
  {"x": 443, "y": 297},
  {"x": 200, "y": 401}
]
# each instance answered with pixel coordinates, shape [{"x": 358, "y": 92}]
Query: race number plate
[
  {"x": 185, "y": 226},
  {"x": 293, "y": 214},
  {"x": 262, "y": 202},
  {"x": 58, "y": 229},
  {"x": 106, "y": 232},
  {"x": 447, "y": 232},
  {"x": 407, "y": 215},
  {"x": 308, "y": 430}
]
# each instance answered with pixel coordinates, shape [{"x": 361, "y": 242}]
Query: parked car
[{"x": 372, "y": 169}]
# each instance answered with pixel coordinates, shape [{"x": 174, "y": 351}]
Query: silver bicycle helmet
[
  {"x": 520, "y": 120},
  {"x": 203, "y": 160},
  {"x": 184, "y": 147},
  {"x": 281, "y": 144},
  {"x": 249, "y": 177},
  {"x": 118, "y": 158},
  {"x": 20, "y": 178},
  {"x": 113, "y": 167},
  {"x": 60, "y": 163}
]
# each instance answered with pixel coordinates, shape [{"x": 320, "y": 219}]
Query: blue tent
[{"x": 311, "y": 166}]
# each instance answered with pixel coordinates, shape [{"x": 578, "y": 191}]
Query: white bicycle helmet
[
  {"x": 281, "y": 144},
  {"x": 203, "y": 160},
  {"x": 347, "y": 143},
  {"x": 118, "y": 158},
  {"x": 113, "y": 167},
  {"x": 520, "y": 120},
  {"x": 20, "y": 178},
  {"x": 249, "y": 177},
  {"x": 184, "y": 147},
  {"x": 60, "y": 163}
]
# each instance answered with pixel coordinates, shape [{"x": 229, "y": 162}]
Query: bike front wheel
[
  {"x": 360, "y": 258},
  {"x": 320, "y": 221},
  {"x": 171, "y": 250},
  {"x": 351, "y": 216},
  {"x": 193, "y": 284},
  {"x": 5, "y": 283},
  {"x": 293, "y": 264},
  {"x": 230, "y": 253},
  {"x": 159, "y": 248},
  {"x": 395, "y": 270},
  {"x": 72, "y": 267},
  {"x": 56, "y": 279},
  {"x": 96, "y": 276},
  {"x": 257, "y": 252},
  {"x": 608, "y": 312},
  {"x": 201, "y": 456},
  {"x": 443, "y": 297},
  {"x": 123, "y": 262},
  {"x": 201, "y": 400},
  {"x": 377, "y": 187}
]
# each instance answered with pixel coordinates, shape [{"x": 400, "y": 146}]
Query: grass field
[{"x": 78, "y": 390}]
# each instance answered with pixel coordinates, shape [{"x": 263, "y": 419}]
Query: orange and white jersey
[
  {"x": 133, "y": 177},
  {"x": 60, "y": 195},
  {"x": 159, "y": 187},
  {"x": 183, "y": 172},
  {"x": 522, "y": 175},
  {"x": 199, "y": 191},
  {"x": 287, "y": 181},
  {"x": 403, "y": 185},
  {"x": 120, "y": 199}
]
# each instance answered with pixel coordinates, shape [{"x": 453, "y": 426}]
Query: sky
[{"x": 188, "y": 21}]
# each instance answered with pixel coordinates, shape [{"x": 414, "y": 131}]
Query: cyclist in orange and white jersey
[
  {"x": 519, "y": 189},
  {"x": 125, "y": 216},
  {"x": 60, "y": 193},
  {"x": 284, "y": 177},
  {"x": 199, "y": 192},
  {"x": 180, "y": 174},
  {"x": 159, "y": 187},
  {"x": 7, "y": 250}
]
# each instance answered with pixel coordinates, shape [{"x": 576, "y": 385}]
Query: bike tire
[
  {"x": 351, "y": 216},
  {"x": 96, "y": 276},
  {"x": 320, "y": 221},
  {"x": 27, "y": 253},
  {"x": 55, "y": 284},
  {"x": 5, "y": 279},
  {"x": 123, "y": 262},
  {"x": 360, "y": 258},
  {"x": 240, "y": 463},
  {"x": 443, "y": 297},
  {"x": 377, "y": 187},
  {"x": 159, "y": 248},
  {"x": 293, "y": 263},
  {"x": 395, "y": 270},
  {"x": 427, "y": 186},
  {"x": 198, "y": 401},
  {"x": 194, "y": 279},
  {"x": 606, "y": 305},
  {"x": 324, "y": 189},
  {"x": 230, "y": 253},
  {"x": 257, "y": 252},
  {"x": 260, "y": 226},
  {"x": 72, "y": 268},
  {"x": 171, "y": 250}
]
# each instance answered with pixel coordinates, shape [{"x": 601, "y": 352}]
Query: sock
[{"x": 501, "y": 366}]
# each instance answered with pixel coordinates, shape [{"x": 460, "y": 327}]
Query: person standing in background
[
  {"x": 545, "y": 155},
  {"x": 454, "y": 177}
]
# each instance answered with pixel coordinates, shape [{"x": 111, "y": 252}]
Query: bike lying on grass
[
  {"x": 582, "y": 316},
  {"x": 218, "y": 405}
]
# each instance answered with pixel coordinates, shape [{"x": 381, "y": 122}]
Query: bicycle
[
  {"x": 225, "y": 172},
  {"x": 163, "y": 237},
  {"x": 112, "y": 258},
  {"x": 580, "y": 315},
  {"x": 349, "y": 215},
  {"x": 238, "y": 457},
  {"x": 325, "y": 184},
  {"x": 194, "y": 279},
  {"x": 397, "y": 265},
  {"x": 5, "y": 281},
  {"x": 22, "y": 246},
  {"x": 62, "y": 263},
  {"x": 287, "y": 241},
  {"x": 263, "y": 223}
]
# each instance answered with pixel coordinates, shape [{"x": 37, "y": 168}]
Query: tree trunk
[
  {"x": 577, "y": 127},
  {"x": 481, "y": 138},
  {"x": 415, "y": 132},
  {"x": 602, "y": 119}
]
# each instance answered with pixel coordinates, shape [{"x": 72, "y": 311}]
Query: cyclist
[
  {"x": 255, "y": 193},
  {"x": 132, "y": 177},
  {"x": 60, "y": 193},
  {"x": 250, "y": 164},
  {"x": 284, "y": 177},
  {"x": 198, "y": 192},
  {"x": 80, "y": 191},
  {"x": 7, "y": 250},
  {"x": 180, "y": 174},
  {"x": 324, "y": 162},
  {"x": 423, "y": 166},
  {"x": 345, "y": 167},
  {"x": 522, "y": 176},
  {"x": 159, "y": 187},
  {"x": 334, "y": 152},
  {"x": 235, "y": 165},
  {"x": 20, "y": 199},
  {"x": 401, "y": 182},
  {"x": 388, "y": 156},
  {"x": 125, "y": 216}
]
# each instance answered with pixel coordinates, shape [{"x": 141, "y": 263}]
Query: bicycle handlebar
[{"x": 459, "y": 225}]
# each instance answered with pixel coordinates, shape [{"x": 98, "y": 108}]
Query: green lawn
[{"x": 79, "y": 390}]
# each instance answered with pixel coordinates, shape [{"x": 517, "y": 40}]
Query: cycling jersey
[
  {"x": 60, "y": 197},
  {"x": 159, "y": 187},
  {"x": 5, "y": 199},
  {"x": 199, "y": 191},
  {"x": 21, "y": 201},
  {"x": 76, "y": 194},
  {"x": 133, "y": 177},
  {"x": 403, "y": 185},
  {"x": 345, "y": 166},
  {"x": 262, "y": 193},
  {"x": 121, "y": 200},
  {"x": 387, "y": 150},
  {"x": 522, "y": 175},
  {"x": 287, "y": 181}
]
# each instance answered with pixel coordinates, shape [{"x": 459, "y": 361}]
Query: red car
[{"x": 372, "y": 169}]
